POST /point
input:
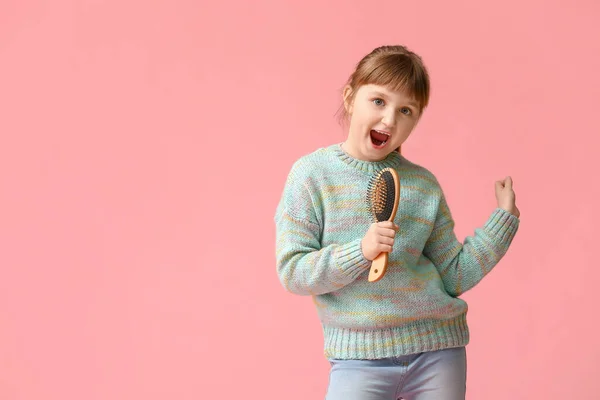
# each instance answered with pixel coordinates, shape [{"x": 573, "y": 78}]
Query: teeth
[{"x": 384, "y": 133}]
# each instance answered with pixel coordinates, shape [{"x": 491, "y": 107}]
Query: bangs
[{"x": 399, "y": 73}]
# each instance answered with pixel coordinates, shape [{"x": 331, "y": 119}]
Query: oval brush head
[{"x": 383, "y": 195}]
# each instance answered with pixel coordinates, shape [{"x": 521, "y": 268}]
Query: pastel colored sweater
[{"x": 320, "y": 221}]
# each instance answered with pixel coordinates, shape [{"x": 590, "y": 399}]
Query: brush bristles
[{"x": 380, "y": 195}]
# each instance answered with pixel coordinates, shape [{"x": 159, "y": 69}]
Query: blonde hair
[{"x": 394, "y": 67}]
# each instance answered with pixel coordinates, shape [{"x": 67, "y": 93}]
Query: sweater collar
[{"x": 393, "y": 160}]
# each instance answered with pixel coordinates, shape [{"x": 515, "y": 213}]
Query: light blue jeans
[{"x": 435, "y": 375}]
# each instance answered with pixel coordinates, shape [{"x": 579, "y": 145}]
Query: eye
[
  {"x": 406, "y": 111},
  {"x": 378, "y": 102}
]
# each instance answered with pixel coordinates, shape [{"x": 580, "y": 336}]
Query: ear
[{"x": 347, "y": 96}]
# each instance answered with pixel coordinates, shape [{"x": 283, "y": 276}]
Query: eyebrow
[{"x": 378, "y": 93}]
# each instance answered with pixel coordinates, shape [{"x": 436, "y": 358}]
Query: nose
[{"x": 389, "y": 118}]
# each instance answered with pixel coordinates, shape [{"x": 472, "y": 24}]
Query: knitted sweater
[{"x": 320, "y": 221}]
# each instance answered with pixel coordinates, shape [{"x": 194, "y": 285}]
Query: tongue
[{"x": 379, "y": 138}]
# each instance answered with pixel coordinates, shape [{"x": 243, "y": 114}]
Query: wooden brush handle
[{"x": 378, "y": 267}]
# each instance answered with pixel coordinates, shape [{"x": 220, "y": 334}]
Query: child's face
[{"x": 380, "y": 121}]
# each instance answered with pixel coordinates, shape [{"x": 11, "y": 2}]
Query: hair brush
[{"x": 383, "y": 195}]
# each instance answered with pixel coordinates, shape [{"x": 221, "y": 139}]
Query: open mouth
[{"x": 379, "y": 138}]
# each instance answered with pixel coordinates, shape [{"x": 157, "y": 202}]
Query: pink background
[{"x": 144, "y": 146}]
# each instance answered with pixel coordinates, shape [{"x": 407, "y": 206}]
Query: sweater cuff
[
  {"x": 350, "y": 259},
  {"x": 502, "y": 225}
]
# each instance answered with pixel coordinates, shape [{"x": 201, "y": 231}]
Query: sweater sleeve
[
  {"x": 462, "y": 266},
  {"x": 303, "y": 266}
]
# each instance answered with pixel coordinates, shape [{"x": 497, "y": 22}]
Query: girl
[{"x": 403, "y": 336}]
